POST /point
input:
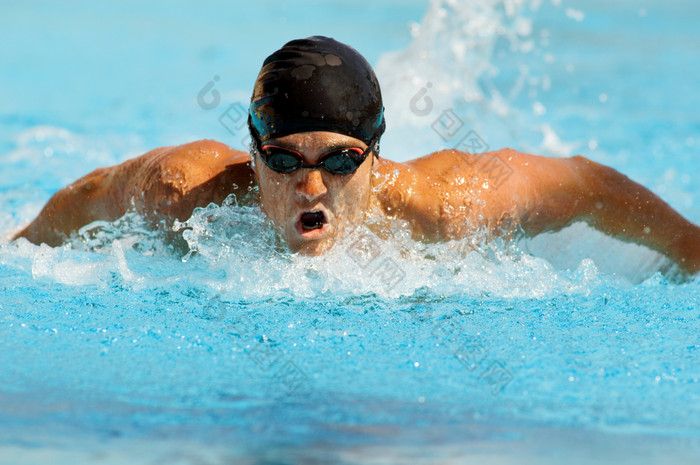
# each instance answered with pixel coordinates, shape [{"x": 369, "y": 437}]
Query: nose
[{"x": 311, "y": 185}]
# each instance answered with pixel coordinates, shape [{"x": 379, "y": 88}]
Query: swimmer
[{"x": 316, "y": 117}]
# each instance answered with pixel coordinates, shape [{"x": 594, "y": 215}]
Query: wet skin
[
  {"x": 339, "y": 200},
  {"x": 442, "y": 196}
]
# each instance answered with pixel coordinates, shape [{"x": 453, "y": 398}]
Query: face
[{"x": 310, "y": 206}]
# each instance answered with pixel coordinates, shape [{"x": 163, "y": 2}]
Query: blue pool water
[{"x": 567, "y": 347}]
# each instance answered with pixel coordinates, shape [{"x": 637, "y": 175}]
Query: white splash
[{"x": 452, "y": 74}]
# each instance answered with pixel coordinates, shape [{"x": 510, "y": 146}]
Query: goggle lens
[{"x": 341, "y": 162}]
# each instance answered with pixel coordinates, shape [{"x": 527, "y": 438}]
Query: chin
[{"x": 311, "y": 248}]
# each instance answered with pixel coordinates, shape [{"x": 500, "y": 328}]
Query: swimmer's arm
[
  {"x": 165, "y": 184},
  {"x": 558, "y": 192},
  {"x": 90, "y": 198}
]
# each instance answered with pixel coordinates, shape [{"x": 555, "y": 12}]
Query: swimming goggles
[{"x": 339, "y": 161}]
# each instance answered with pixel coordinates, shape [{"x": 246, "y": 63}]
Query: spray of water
[{"x": 473, "y": 58}]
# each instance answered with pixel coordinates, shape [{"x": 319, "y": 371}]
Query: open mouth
[{"x": 312, "y": 220}]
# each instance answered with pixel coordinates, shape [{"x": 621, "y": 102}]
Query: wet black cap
[{"x": 316, "y": 84}]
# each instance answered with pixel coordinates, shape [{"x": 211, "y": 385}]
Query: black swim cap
[{"x": 316, "y": 84}]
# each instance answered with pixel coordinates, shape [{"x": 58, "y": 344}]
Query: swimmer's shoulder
[
  {"x": 450, "y": 165},
  {"x": 418, "y": 190},
  {"x": 201, "y": 159},
  {"x": 436, "y": 166},
  {"x": 427, "y": 191},
  {"x": 175, "y": 180},
  {"x": 165, "y": 183}
]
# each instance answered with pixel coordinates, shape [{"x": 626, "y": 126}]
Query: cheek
[
  {"x": 361, "y": 182},
  {"x": 350, "y": 195},
  {"x": 273, "y": 192}
]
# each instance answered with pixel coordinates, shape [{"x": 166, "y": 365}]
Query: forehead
[{"x": 316, "y": 139}]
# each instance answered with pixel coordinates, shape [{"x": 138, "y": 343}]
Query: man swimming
[{"x": 316, "y": 118}]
